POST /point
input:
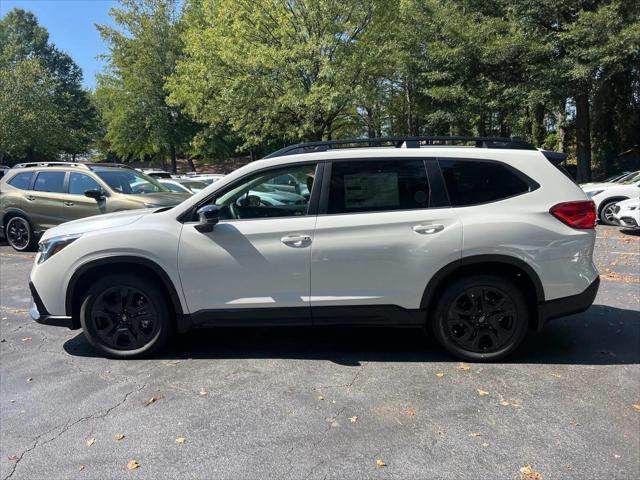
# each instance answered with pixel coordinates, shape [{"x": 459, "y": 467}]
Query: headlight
[
  {"x": 593, "y": 193},
  {"x": 48, "y": 248}
]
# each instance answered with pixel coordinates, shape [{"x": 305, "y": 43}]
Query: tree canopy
[{"x": 44, "y": 111}]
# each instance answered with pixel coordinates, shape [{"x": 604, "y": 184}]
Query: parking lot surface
[{"x": 327, "y": 403}]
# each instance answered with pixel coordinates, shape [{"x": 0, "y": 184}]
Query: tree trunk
[
  {"x": 174, "y": 159},
  {"x": 537, "y": 125},
  {"x": 562, "y": 127},
  {"x": 192, "y": 166},
  {"x": 407, "y": 93},
  {"x": 583, "y": 135},
  {"x": 371, "y": 131}
]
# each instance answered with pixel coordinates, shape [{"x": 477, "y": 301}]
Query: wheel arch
[
  {"x": 510, "y": 267},
  {"x": 615, "y": 198},
  {"x": 88, "y": 272}
]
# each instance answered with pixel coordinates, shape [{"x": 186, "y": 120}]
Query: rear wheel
[
  {"x": 19, "y": 234},
  {"x": 481, "y": 318},
  {"x": 607, "y": 211},
  {"x": 126, "y": 316}
]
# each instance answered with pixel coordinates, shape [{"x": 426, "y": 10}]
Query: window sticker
[{"x": 371, "y": 190}]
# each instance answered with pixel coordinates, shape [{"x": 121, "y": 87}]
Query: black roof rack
[
  {"x": 403, "y": 142},
  {"x": 107, "y": 164}
]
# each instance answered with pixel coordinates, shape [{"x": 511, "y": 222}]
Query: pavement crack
[
  {"x": 346, "y": 385},
  {"x": 67, "y": 426}
]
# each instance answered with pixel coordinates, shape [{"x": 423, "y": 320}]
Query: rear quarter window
[
  {"x": 21, "y": 180},
  {"x": 473, "y": 182}
]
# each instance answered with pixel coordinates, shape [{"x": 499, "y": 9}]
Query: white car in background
[
  {"x": 207, "y": 178},
  {"x": 627, "y": 213},
  {"x": 606, "y": 195},
  {"x": 183, "y": 185}
]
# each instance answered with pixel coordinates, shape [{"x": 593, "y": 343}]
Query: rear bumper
[
  {"x": 568, "y": 305},
  {"x": 40, "y": 314}
]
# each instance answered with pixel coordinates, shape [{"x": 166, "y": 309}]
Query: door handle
[
  {"x": 428, "y": 228},
  {"x": 69, "y": 204},
  {"x": 30, "y": 198},
  {"x": 295, "y": 240}
]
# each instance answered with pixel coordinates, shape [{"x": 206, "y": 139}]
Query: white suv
[{"x": 476, "y": 244}]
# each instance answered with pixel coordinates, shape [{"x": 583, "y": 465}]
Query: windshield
[
  {"x": 631, "y": 180},
  {"x": 131, "y": 182}
]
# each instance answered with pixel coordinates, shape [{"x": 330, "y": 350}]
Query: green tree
[
  {"x": 144, "y": 49},
  {"x": 25, "y": 49},
  {"x": 274, "y": 69}
]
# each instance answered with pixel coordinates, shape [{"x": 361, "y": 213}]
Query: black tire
[
  {"x": 465, "y": 330},
  {"x": 19, "y": 234},
  {"x": 126, "y": 325},
  {"x": 606, "y": 211}
]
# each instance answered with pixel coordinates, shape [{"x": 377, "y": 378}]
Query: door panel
[
  {"x": 44, "y": 202},
  {"x": 384, "y": 258},
  {"x": 75, "y": 204},
  {"x": 247, "y": 264}
]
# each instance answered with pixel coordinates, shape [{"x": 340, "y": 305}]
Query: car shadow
[{"x": 601, "y": 336}]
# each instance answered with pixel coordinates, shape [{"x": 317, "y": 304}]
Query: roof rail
[
  {"x": 107, "y": 164},
  {"x": 50, "y": 164},
  {"x": 402, "y": 142}
]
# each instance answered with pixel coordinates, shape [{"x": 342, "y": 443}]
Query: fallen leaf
[
  {"x": 504, "y": 403},
  {"x": 132, "y": 465},
  {"x": 12, "y": 457},
  {"x": 30, "y": 379},
  {"x": 474, "y": 434},
  {"x": 411, "y": 411},
  {"x": 203, "y": 391},
  {"x": 574, "y": 424},
  {"x": 26, "y": 339},
  {"x": 353, "y": 419},
  {"x": 151, "y": 400},
  {"x": 333, "y": 401},
  {"x": 119, "y": 436},
  {"x": 439, "y": 374},
  {"x": 80, "y": 468},
  {"x": 464, "y": 366},
  {"x": 482, "y": 393},
  {"x": 485, "y": 444},
  {"x": 530, "y": 474},
  {"x": 636, "y": 407},
  {"x": 171, "y": 363},
  {"x": 180, "y": 440},
  {"x": 380, "y": 463},
  {"x": 91, "y": 441},
  {"x": 320, "y": 397},
  {"x": 557, "y": 375},
  {"x": 615, "y": 455}
]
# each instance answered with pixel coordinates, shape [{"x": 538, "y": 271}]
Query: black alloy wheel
[
  {"x": 19, "y": 234},
  {"x": 481, "y": 318},
  {"x": 126, "y": 316}
]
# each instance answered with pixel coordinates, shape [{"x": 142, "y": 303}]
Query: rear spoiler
[{"x": 554, "y": 157}]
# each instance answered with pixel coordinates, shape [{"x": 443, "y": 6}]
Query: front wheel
[
  {"x": 481, "y": 318},
  {"x": 126, "y": 316},
  {"x": 607, "y": 211}
]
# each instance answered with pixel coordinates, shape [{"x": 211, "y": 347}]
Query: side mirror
[
  {"x": 94, "y": 193},
  {"x": 209, "y": 216}
]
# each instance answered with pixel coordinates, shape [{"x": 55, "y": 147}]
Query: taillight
[{"x": 581, "y": 214}]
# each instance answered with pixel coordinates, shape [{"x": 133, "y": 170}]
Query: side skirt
[{"x": 365, "y": 315}]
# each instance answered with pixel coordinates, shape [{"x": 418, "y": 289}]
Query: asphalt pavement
[{"x": 327, "y": 403}]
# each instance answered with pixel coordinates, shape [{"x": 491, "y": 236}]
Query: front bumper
[
  {"x": 568, "y": 305},
  {"x": 39, "y": 312}
]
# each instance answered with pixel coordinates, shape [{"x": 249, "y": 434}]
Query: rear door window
[
  {"x": 21, "y": 180},
  {"x": 472, "y": 182},
  {"x": 50, "y": 182},
  {"x": 378, "y": 185}
]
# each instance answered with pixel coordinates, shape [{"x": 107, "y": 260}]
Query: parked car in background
[
  {"x": 207, "y": 178},
  {"x": 183, "y": 185},
  {"x": 606, "y": 195},
  {"x": 627, "y": 213},
  {"x": 379, "y": 240},
  {"x": 155, "y": 172},
  {"x": 37, "y": 196},
  {"x": 612, "y": 179},
  {"x": 3, "y": 169}
]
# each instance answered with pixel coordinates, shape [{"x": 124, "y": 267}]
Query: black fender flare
[
  {"x": 447, "y": 270},
  {"x": 123, "y": 259}
]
